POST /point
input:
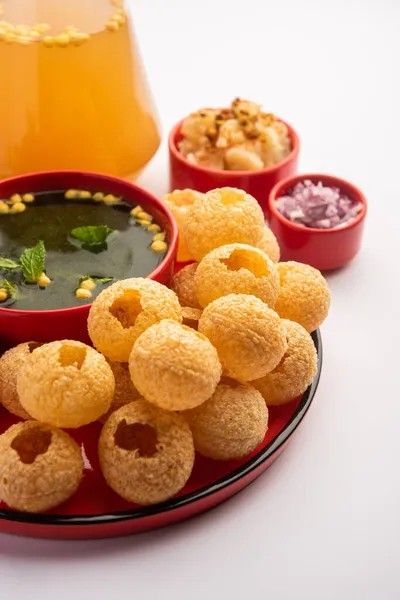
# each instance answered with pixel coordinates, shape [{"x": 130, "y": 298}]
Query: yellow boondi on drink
[{"x": 61, "y": 52}]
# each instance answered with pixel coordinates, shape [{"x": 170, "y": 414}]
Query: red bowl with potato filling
[
  {"x": 184, "y": 174},
  {"x": 17, "y": 325}
]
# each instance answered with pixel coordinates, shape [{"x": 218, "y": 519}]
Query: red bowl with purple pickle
[
  {"x": 335, "y": 220},
  {"x": 18, "y": 326},
  {"x": 184, "y": 174}
]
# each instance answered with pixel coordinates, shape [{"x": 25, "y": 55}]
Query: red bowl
[
  {"x": 183, "y": 174},
  {"x": 18, "y": 326},
  {"x": 324, "y": 249}
]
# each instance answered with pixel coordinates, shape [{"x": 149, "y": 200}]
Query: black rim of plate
[{"x": 179, "y": 502}]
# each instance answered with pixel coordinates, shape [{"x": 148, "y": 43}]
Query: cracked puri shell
[
  {"x": 238, "y": 269},
  {"x": 146, "y": 454},
  {"x": 40, "y": 467},
  {"x": 124, "y": 310}
]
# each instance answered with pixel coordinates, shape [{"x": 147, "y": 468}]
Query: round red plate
[{"x": 96, "y": 512}]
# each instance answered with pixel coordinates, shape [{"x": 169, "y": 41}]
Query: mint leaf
[
  {"x": 7, "y": 263},
  {"x": 95, "y": 279},
  {"x": 10, "y": 288},
  {"x": 102, "y": 279},
  {"x": 33, "y": 262},
  {"x": 93, "y": 236}
]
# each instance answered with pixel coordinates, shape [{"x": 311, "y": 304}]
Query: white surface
[{"x": 323, "y": 522}]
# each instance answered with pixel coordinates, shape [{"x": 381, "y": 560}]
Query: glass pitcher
[{"x": 73, "y": 94}]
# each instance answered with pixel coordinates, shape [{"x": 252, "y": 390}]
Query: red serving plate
[{"x": 95, "y": 511}]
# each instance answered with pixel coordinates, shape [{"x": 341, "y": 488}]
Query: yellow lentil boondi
[
  {"x": 17, "y": 202},
  {"x": 125, "y": 310},
  {"x": 65, "y": 384},
  {"x": 83, "y": 294},
  {"x": 222, "y": 216},
  {"x": 184, "y": 286},
  {"x": 159, "y": 246},
  {"x": 236, "y": 268},
  {"x": 69, "y": 36},
  {"x": 248, "y": 335},
  {"x": 108, "y": 199},
  {"x": 146, "y": 454},
  {"x": 10, "y": 364},
  {"x": 173, "y": 366},
  {"x": 17, "y": 207},
  {"x": 303, "y": 296},
  {"x": 159, "y": 236},
  {"x": 88, "y": 284},
  {"x": 296, "y": 370},
  {"x": 269, "y": 244},
  {"x": 179, "y": 203},
  {"x": 43, "y": 280},
  {"x": 40, "y": 467},
  {"x": 232, "y": 423},
  {"x": 125, "y": 391}
]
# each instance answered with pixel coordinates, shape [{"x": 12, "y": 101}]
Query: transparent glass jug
[{"x": 73, "y": 94}]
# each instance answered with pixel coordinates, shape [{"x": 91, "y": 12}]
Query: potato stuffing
[{"x": 239, "y": 138}]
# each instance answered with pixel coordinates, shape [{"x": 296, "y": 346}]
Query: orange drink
[{"x": 73, "y": 94}]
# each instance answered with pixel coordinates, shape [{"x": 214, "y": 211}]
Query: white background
[{"x": 323, "y": 523}]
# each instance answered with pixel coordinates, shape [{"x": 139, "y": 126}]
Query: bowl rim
[
  {"x": 332, "y": 180},
  {"x": 293, "y": 154},
  {"x": 179, "y": 502},
  {"x": 107, "y": 180}
]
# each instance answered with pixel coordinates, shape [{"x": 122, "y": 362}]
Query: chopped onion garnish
[{"x": 316, "y": 205}]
